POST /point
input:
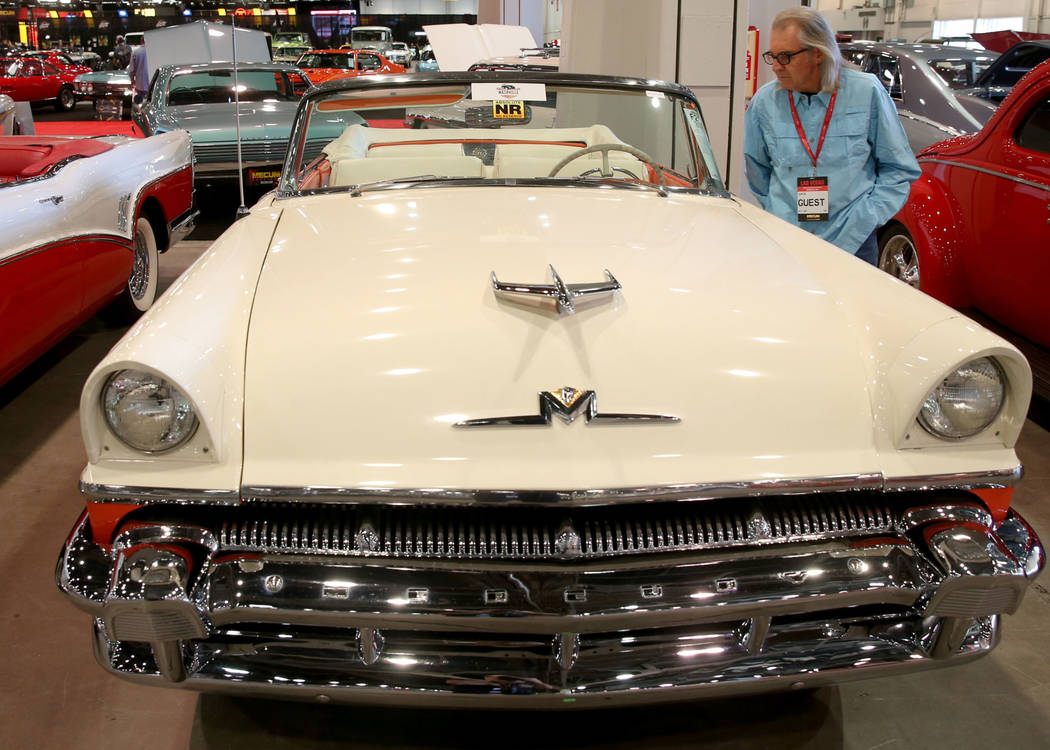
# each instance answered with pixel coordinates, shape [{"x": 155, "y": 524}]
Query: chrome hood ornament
[
  {"x": 559, "y": 295},
  {"x": 567, "y": 403}
]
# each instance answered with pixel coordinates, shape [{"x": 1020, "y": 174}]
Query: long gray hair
[{"x": 814, "y": 31}]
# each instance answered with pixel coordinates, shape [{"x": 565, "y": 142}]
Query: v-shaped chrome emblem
[
  {"x": 560, "y": 296},
  {"x": 566, "y": 403}
]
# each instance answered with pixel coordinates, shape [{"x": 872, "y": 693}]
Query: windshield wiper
[{"x": 364, "y": 187}]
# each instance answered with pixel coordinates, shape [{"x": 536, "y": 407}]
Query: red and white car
[
  {"x": 324, "y": 65},
  {"x": 26, "y": 79},
  {"x": 60, "y": 60},
  {"x": 976, "y": 228},
  {"x": 83, "y": 221}
]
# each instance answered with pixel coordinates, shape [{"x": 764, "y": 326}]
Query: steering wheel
[{"x": 604, "y": 149}]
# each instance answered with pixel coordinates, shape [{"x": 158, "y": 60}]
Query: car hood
[
  {"x": 115, "y": 77},
  {"x": 375, "y": 328},
  {"x": 210, "y": 123}
]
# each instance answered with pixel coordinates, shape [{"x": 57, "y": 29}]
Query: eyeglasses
[{"x": 784, "y": 58}]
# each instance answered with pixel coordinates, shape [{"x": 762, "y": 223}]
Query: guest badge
[{"x": 812, "y": 199}]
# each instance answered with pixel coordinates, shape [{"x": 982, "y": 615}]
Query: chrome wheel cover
[
  {"x": 138, "y": 282},
  {"x": 900, "y": 259}
]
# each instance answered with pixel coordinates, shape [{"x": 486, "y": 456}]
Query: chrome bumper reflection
[{"x": 170, "y": 604}]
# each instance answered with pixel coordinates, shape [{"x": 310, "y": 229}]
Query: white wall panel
[
  {"x": 707, "y": 42},
  {"x": 947, "y": 9},
  {"x": 419, "y": 7}
]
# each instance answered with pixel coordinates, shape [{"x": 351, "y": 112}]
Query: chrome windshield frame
[{"x": 297, "y": 137}]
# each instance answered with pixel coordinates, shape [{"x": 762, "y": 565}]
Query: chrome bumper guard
[
  {"x": 182, "y": 226},
  {"x": 171, "y": 606}
]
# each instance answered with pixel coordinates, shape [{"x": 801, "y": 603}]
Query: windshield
[
  {"x": 216, "y": 87},
  {"x": 500, "y": 131},
  {"x": 326, "y": 60},
  {"x": 369, "y": 35}
]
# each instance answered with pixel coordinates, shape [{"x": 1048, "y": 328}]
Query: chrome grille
[
  {"x": 452, "y": 533},
  {"x": 268, "y": 151}
]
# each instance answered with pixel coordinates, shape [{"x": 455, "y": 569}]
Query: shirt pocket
[
  {"x": 847, "y": 140},
  {"x": 787, "y": 152}
]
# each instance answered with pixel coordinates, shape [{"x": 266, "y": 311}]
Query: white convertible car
[
  {"x": 82, "y": 221},
  {"x": 540, "y": 416}
]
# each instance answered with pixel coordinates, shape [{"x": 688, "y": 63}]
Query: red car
[
  {"x": 59, "y": 60},
  {"x": 324, "y": 65},
  {"x": 976, "y": 229},
  {"x": 26, "y": 79}
]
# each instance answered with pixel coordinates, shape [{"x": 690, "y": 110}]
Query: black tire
[
  {"x": 898, "y": 255},
  {"x": 66, "y": 99}
]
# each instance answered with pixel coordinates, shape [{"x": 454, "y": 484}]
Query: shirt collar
[{"x": 823, "y": 97}]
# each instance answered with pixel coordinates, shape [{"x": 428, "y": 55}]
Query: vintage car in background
[
  {"x": 324, "y": 65},
  {"x": 399, "y": 54},
  {"x": 291, "y": 37},
  {"x": 83, "y": 221},
  {"x": 976, "y": 229},
  {"x": 59, "y": 60},
  {"x": 289, "y": 53},
  {"x": 102, "y": 85},
  {"x": 994, "y": 84},
  {"x": 83, "y": 57},
  {"x": 288, "y": 46},
  {"x": 427, "y": 60},
  {"x": 199, "y": 98},
  {"x": 925, "y": 81},
  {"x": 375, "y": 38},
  {"x": 540, "y": 417},
  {"x": 26, "y": 79}
]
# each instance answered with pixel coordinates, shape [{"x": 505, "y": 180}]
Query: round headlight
[
  {"x": 146, "y": 412},
  {"x": 966, "y": 401}
]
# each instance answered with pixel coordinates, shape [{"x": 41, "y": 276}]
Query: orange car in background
[{"x": 324, "y": 65}]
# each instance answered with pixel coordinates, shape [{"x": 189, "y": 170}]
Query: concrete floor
[{"x": 53, "y": 695}]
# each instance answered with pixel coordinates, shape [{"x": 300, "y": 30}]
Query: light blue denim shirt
[{"x": 866, "y": 156}]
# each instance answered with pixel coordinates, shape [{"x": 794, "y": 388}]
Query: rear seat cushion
[{"x": 355, "y": 171}]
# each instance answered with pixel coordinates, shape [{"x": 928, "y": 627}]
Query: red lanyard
[{"x": 802, "y": 133}]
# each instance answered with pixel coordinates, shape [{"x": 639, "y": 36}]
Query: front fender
[{"x": 940, "y": 231}]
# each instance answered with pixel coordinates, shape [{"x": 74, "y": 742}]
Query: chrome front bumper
[{"x": 173, "y": 605}]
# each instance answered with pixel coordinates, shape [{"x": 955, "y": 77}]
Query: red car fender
[
  {"x": 164, "y": 199},
  {"x": 938, "y": 228}
]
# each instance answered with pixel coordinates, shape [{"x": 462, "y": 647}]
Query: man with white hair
[{"x": 823, "y": 146}]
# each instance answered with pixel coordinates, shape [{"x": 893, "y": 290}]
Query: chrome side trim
[
  {"x": 949, "y": 131},
  {"x": 182, "y": 226},
  {"x": 120, "y": 493},
  {"x": 704, "y": 491},
  {"x": 700, "y": 491},
  {"x": 985, "y": 170},
  {"x": 971, "y": 480},
  {"x": 52, "y": 244}
]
